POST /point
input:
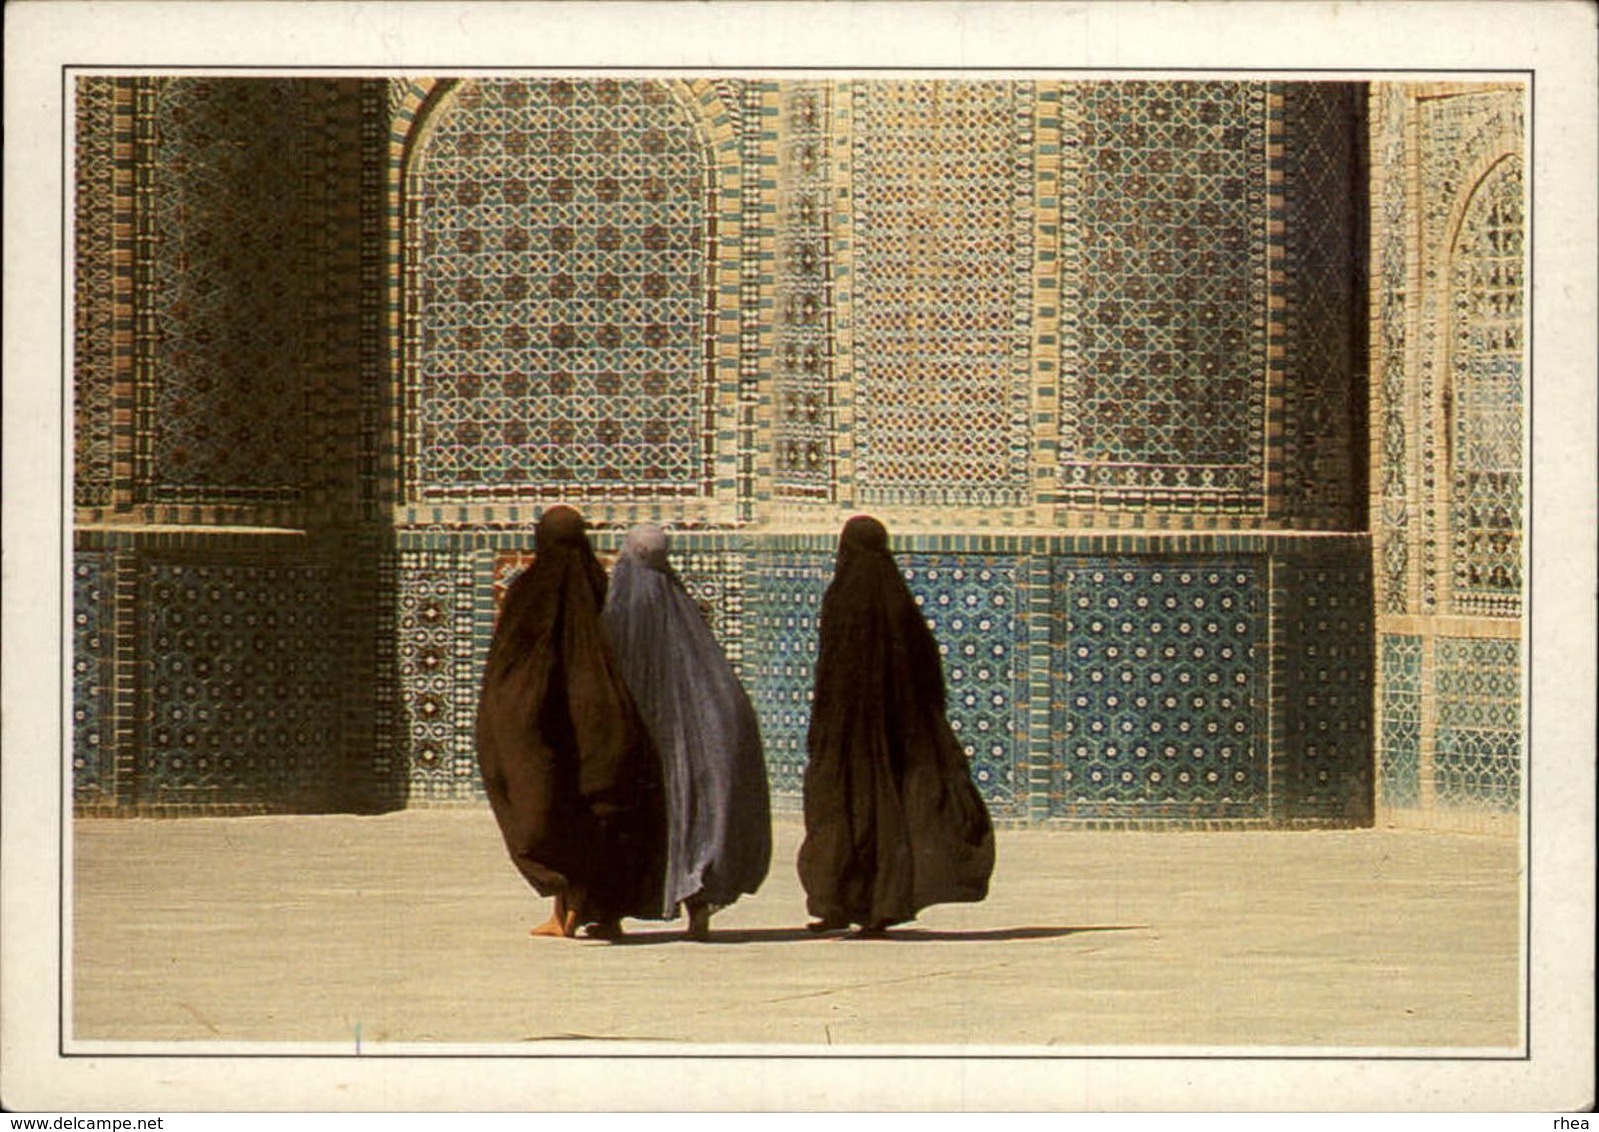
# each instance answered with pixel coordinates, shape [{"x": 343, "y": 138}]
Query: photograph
[{"x": 655, "y": 557}]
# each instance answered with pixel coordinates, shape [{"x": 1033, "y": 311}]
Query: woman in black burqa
[
  {"x": 568, "y": 765},
  {"x": 719, "y": 831},
  {"x": 893, "y": 823}
]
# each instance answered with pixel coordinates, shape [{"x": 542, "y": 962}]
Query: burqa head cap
[
  {"x": 560, "y": 526},
  {"x": 864, "y": 533},
  {"x": 646, "y": 543}
]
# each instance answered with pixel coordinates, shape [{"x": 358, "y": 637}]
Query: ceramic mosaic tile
[
  {"x": 1477, "y": 763},
  {"x": 1488, "y": 319},
  {"x": 1449, "y": 311},
  {"x": 94, "y": 314},
  {"x": 803, "y": 401},
  {"x": 1323, "y": 282},
  {"x": 225, "y": 289},
  {"x": 1391, "y": 520},
  {"x": 784, "y": 597},
  {"x": 93, "y": 637},
  {"x": 973, "y": 607},
  {"x": 563, "y": 290},
  {"x": 942, "y": 291},
  {"x": 715, "y": 580},
  {"x": 438, "y": 675},
  {"x": 1323, "y": 669},
  {"x": 1400, "y": 752},
  {"x": 1457, "y": 136},
  {"x": 972, "y": 604},
  {"x": 1160, "y": 680},
  {"x": 1163, "y": 359},
  {"x": 242, "y": 695},
  {"x": 756, "y": 128}
]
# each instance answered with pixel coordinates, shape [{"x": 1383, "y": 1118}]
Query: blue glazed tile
[
  {"x": 1160, "y": 671},
  {"x": 93, "y": 634},
  {"x": 1477, "y": 757},
  {"x": 1400, "y": 754},
  {"x": 243, "y": 694}
]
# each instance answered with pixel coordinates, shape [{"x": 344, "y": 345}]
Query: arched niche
[
  {"x": 565, "y": 297},
  {"x": 1484, "y": 394}
]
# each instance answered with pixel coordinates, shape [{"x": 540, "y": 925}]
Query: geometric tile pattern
[
  {"x": 1323, "y": 252},
  {"x": 747, "y": 104},
  {"x": 375, "y": 479},
  {"x": 228, "y": 411},
  {"x": 94, "y": 369},
  {"x": 1486, "y": 375},
  {"x": 1162, "y": 397},
  {"x": 1400, "y": 752},
  {"x": 970, "y": 603},
  {"x": 784, "y": 601},
  {"x": 562, "y": 278},
  {"x": 581, "y": 193},
  {"x": 715, "y": 580},
  {"x": 1117, "y": 686},
  {"x": 1160, "y": 681},
  {"x": 385, "y": 760},
  {"x": 242, "y": 692},
  {"x": 1460, "y": 137},
  {"x": 1449, "y": 333},
  {"x": 943, "y": 271},
  {"x": 394, "y": 95},
  {"x": 93, "y": 635},
  {"x": 1323, "y": 685},
  {"x": 1477, "y": 759},
  {"x": 437, "y": 675},
  {"x": 802, "y": 410},
  {"x": 1392, "y": 522}
]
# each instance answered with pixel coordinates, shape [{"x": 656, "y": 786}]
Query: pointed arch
[
  {"x": 566, "y": 293},
  {"x": 1483, "y": 392}
]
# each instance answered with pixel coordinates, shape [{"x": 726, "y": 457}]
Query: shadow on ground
[{"x": 893, "y": 935}]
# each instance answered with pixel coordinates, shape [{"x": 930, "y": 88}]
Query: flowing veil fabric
[
  {"x": 567, "y": 763},
  {"x": 719, "y": 839},
  {"x": 893, "y": 822}
]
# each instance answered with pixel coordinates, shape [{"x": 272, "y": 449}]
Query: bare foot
[
  {"x": 699, "y": 922},
  {"x": 551, "y": 927},
  {"x": 562, "y": 922}
]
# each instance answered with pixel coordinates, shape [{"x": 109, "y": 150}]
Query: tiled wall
[
  {"x": 1073, "y": 341},
  {"x": 93, "y": 677},
  {"x": 1448, "y": 334},
  {"x": 228, "y": 583},
  {"x": 1477, "y": 759},
  {"x": 564, "y": 284},
  {"x": 1165, "y": 277},
  {"x": 241, "y": 693},
  {"x": 1126, "y": 680},
  {"x": 941, "y": 220}
]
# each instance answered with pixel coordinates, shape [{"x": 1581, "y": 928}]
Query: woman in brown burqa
[
  {"x": 893, "y": 822},
  {"x": 570, "y": 771}
]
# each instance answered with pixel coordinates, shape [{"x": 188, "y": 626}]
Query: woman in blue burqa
[
  {"x": 719, "y": 832},
  {"x": 893, "y": 822},
  {"x": 568, "y": 765}
]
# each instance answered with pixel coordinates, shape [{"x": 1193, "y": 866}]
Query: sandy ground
[{"x": 413, "y": 928}]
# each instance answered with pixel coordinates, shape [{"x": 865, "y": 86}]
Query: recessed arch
[
  {"x": 1483, "y": 393},
  {"x": 566, "y": 283}
]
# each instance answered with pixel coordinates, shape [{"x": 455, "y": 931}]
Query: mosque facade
[{"x": 1194, "y": 408}]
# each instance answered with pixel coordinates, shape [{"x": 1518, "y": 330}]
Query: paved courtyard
[{"x": 413, "y": 928}]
